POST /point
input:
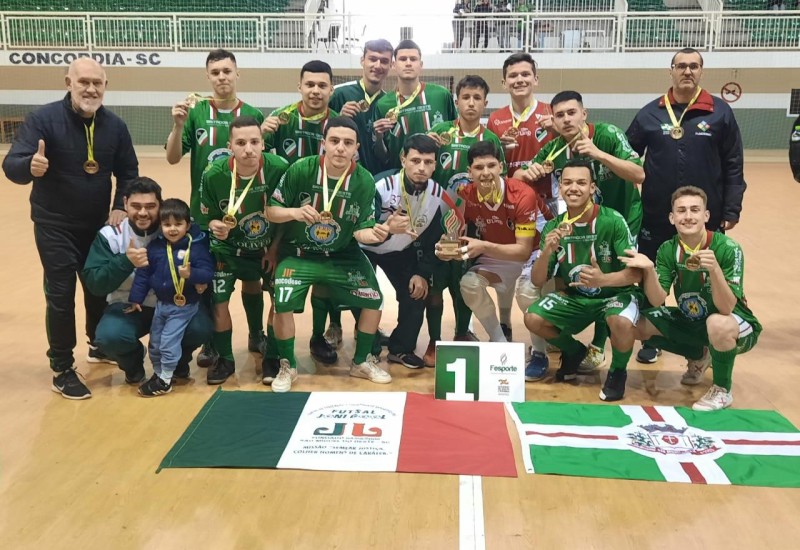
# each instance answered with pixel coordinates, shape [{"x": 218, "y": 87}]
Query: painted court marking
[{"x": 472, "y": 535}]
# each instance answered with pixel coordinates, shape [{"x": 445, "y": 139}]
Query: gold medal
[
  {"x": 179, "y": 299},
  {"x": 565, "y": 228},
  {"x": 325, "y": 216},
  {"x": 446, "y": 138},
  {"x": 512, "y": 132},
  {"x": 91, "y": 166},
  {"x": 284, "y": 117},
  {"x": 548, "y": 166},
  {"x": 676, "y": 132},
  {"x": 229, "y": 221},
  {"x": 363, "y": 105},
  {"x": 392, "y": 116},
  {"x": 693, "y": 262}
]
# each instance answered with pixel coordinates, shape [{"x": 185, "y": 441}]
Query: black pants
[
  {"x": 63, "y": 253},
  {"x": 481, "y": 29},
  {"x": 650, "y": 238}
]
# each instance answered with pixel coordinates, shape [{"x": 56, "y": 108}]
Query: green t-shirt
[
  {"x": 612, "y": 191},
  {"x": 205, "y": 134},
  {"x": 605, "y": 238},
  {"x": 693, "y": 288},
  {"x": 253, "y": 233},
  {"x": 353, "y": 208},
  {"x": 433, "y": 105},
  {"x": 298, "y": 138},
  {"x": 352, "y": 91}
]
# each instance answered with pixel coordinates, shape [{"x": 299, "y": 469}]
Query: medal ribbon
[
  {"x": 570, "y": 221},
  {"x": 369, "y": 99},
  {"x": 407, "y": 102},
  {"x": 233, "y": 207},
  {"x": 90, "y": 141},
  {"x": 179, "y": 282},
  {"x": 326, "y": 202},
  {"x": 313, "y": 118},
  {"x": 516, "y": 121},
  {"x": 691, "y": 251},
  {"x": 676, "y": 123},
  {"x": 553, "y": 154},
  {"x": 411, "y": 213},
  {"x": 495, "y": 195}
]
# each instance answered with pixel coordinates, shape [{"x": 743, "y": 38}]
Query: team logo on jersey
[
  {"x": 480, "y": 226},
  {"x": 323, "y": 233},
  {"x": 437, "y": 118},
  {"x": 223, "y": 205},
  {"x": 201, "y": 135},
  {"x": 421, "y": 222},
  {"x": 353, "y": 212},
  {"x": 303, "y": 197},
  {"x": 356, "y": 278},
  {"x": 458, "y": 181},
  {"x": 289, "y": 147},
  {"x": 796, "y": 134},
  {"x": 254, "y": 226},
  {"x": 666, "y": 128},
  {"x": 278, "y": 196},
  {"x": 574, "y": 276},
  {"x": 704, "y": 126},
  {"x": 604, "y": 252},
  {"x": 446, "y": 160},
  {"x": 693, "y": 306},
  {"x": 220, "y": 153},
  {"x": 203, "y": 208},
  {"x": 366, "y": 293},
  {"x": 541, "y": 134}
]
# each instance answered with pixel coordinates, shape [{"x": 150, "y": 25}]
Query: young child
[{"x": 178, "y": 256}]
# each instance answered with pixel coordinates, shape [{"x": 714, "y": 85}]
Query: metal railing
[{"x": 607, "y": 31}]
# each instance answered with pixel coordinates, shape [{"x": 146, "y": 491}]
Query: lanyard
[
  {"x": 179, "y": 282},
  {"x": 413, "y": 214},
  {"x": 233, "y": 207}
]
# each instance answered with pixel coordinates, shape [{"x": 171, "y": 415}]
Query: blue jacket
[{"x": 157, "y": 274}]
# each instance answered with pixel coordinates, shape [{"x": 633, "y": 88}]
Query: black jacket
[
  {"x": 708, "y": 156},
  {"x": 794, "y": 149},
  {"x": 66, "y": 196}
]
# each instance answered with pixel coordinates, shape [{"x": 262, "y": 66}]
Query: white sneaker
[
  {"x": 370, "y": 370},
  {"x": 286, "y": 375},
  {"x": 334, "y": 336},
  {"x": 594, "y": 358},
  {"x": 695, "y": 369},
  {"x": 716, "y": 398}
]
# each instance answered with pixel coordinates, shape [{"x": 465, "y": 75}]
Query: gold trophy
[{"x": 450, "y": 243}]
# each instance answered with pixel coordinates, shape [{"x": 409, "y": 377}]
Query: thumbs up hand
[
  {"x": 137, "y": 256},
  {"x": 185, "y": 271},
  {"x": 39, "y": 162},
  {"x": 590, "y": 276}
]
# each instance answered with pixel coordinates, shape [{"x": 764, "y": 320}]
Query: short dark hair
[
  {"x": 566, "y": 95},
  {"x": 379, "y": 45},
  {"x": 218, "y": 55},
  {"x": 316, "y": 66},
  {"x": 689, "y": 191},
  {"x": 340, "y": 122},
  {"x": 176, "y": 209},
  {"x": 519, "y": 57},
  {"x": 420, "y": 142},
  {"x": 483, "y": 149},
  {"x": 580, "y": 163},
  {"x": 144, "y": 186},
  {"x": 244, "y": 121},
  {"x": 407, "y": 45},
  {"x": 472, "y": 81},
  {"x": 686, "y": 51}
]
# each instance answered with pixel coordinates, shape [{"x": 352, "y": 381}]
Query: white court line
[{"x": 472, "y": 535}]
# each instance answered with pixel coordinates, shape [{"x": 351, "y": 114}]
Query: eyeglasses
[{"x": 694, "y": 67}]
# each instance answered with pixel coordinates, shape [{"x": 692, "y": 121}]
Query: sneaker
[
  {"x": 269, "y": 370},
  {"x": 569, "y": 366},
  {"x": 207, "y": 356},
  {"x": 468, "y": 337},
  {"x": 135, "y": 378},
  {"x": 220, "y": 371},
  {"x": 334, "y": 336},
  {"x": 648, "y": 355},
  {"x": 256, "y": 342},
  {"x": 70, "y": 386},
  {"x": 322, "y": 351},
  {"x": 506, "y": 332},
  {"x": 429, "y": 359},
  {"x": 181, "y": 371},
  {"x": 537, "y": 366},
  {"x": 410, "y": 360},
  {"x": 614, "y": 387},
  {"x": 594, "y": 358},
  {"x": 370, "y": 370},
  {"x": 715, "y": 399},
  {"x": 154, "y": 387},
  {"x": 96, "y": 355},
  {"x": 283, "y": 380},
  {"x": 695, "y": 369}
]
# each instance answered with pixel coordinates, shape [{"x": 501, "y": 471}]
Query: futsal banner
[{"x": 740, "y": 447}]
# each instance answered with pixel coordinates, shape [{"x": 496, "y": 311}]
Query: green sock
[
  {"x": 567, "y": 344},
  {"x": 463, "y": 315},
  {"x": 222, "y": 343},
  {"x": 619, "y": 359},
  {"x": 722, "y": 365},
  {"x": 364, "y": 343},
  {"x": 319, "y": 315},
  {"x": 286, "y": 350},
  {"x": 600, "y": 334},
  {"x": 272, "y": 343},
  {"x": 433, "y": 314},
  {"x": 254, "y": 311},
  {"x": 334, "y": 312}
]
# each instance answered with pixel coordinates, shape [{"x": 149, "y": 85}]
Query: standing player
[
  {"x": 414, "y": 108},
  {"x": 794, "y": 150},
  {"x": 328, "y": 206},
  {"x": 582, "y": 249},
  {"x": 200, "y": 127},
  {"x": 233, "y": 198},
  {"x": 687, "y": 137},
  {"x": 706, "y": 269}
]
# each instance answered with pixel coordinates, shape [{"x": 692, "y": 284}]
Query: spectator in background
[
  {"x": 504, "y": 27},
  {"x": 481, "y": 25},
  {"x": 459, "y": 11}
]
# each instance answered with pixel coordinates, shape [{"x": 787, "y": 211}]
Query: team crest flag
[
  {"x": 346, "y": 431},
  {"x": 654, "y": 443}
]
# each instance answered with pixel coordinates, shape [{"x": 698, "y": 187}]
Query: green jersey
[
  {"x": 451, "y": 163},
  {"x": 433, "y": 105},
  {"x": 299, "y": 137},
  {"x": 352, "y": 91},
  {"x": 205, "y": 134},
  {"x": 693, "y": 288},
  {"x": 604, "y": 238},
  {"x": 352, "y": 208},
  {"x": 612, "y": 191},
  {"x": 252, "y": 233}
]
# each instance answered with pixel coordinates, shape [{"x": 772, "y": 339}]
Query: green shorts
[
  {"x": 350, "y": 281},
  {"x": 691, "y": 334},
  {"x": 571, "y": 314},
  {"x": 230, "y": 268}
]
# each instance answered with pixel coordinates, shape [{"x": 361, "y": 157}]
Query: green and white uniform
[
  {"x": 299, "y": 137},
  {"x": 352, "y": 91},
  {"x": 240, "y": 255},
  {"x": 325, "y": 252},
  {"x": 206, "y": 135}
]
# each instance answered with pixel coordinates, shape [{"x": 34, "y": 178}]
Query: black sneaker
[
  {"x": 181, "y": 371},
  {"x": 207, "y": 356},
  {"x": 220, "y": 371},
  {"x": 322, "y": 351},
  {"x": 410, "y": 360},
  {"x": 506, "y": 331},
  {"x": 648, "y": 355},
  {"x": 135, "y": 377},
  {"x": 269, "y": 370},
  {"x": 569, "y": 366},
  {"x": 256, "y": 342},
  {"x": 614, "y": 388},
  {"x": 70, "y": 386},
  {"x": 96, "y": 355},
  {"x": 154, "y": 387}
]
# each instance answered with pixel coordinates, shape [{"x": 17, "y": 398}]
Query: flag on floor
[
  {"x": 347, "y": 431},
  {"x": 739, "y": 447}
]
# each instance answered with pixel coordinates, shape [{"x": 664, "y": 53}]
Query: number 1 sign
[{"x": 480, "y": 371}]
